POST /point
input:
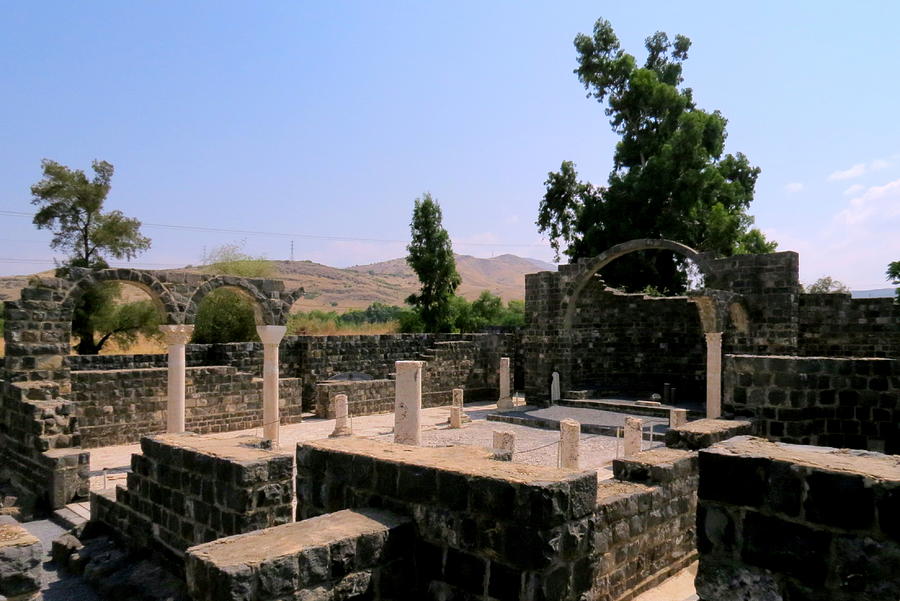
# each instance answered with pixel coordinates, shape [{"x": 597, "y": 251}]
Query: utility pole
[{"x": 292, "y": 250}]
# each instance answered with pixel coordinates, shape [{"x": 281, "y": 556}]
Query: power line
[{"x": 199, "y": 228}]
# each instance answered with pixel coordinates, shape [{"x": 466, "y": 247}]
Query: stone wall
[
  {"x": 185, "y": 490},
  {"x": 363, "y": 554},
  {"x": 633, "y": 343},
  {"x": 835, "y": 325},
  {"x": 39, "y": 444},
  {"x": 853, "y": 403},
  {"x": 779, "y": 521},
  {"x": 488, "y": 530},
  {"x": 121, "y": 406}
]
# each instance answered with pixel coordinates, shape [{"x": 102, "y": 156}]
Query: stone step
[{"x": 72, "y": 515}]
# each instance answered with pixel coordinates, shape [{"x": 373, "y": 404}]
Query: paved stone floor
[{"x": 534, "y": 446}]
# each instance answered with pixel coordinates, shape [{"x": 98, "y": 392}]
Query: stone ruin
[{"x": 755, "y": 490}]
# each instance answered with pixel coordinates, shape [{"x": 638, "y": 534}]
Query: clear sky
[{"x": 329, "y": 118}]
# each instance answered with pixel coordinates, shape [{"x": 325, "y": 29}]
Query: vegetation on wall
[{"x": 827, "y": 285}]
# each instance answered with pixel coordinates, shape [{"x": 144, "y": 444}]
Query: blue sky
[{"x": 329, "y": 118}]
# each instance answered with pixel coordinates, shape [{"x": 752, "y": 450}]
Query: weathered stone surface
[
  {"x": 703, "y": 433},
  {"x": 21, "y": 557}
]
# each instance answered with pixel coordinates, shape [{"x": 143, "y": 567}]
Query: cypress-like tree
[{"x": 431, "y": 257}]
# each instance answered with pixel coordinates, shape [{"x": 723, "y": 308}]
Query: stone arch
[
  {"x": 589, "y": 267},
  {"x": 263, "y": 309},
  {"x": 160, "y": 296}
]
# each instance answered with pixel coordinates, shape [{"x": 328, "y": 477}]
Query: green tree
[
  {"x": 670, "y": 178},
  {"x": 431, "y": 257},
  {"x": 827, "y": 285},
  {"x": 71, "y": 206},
  {"x": 225, "y": 315},
  {"x": 893, "y": 274}
]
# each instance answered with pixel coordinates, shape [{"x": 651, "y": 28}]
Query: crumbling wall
[
  {"x": 121, "y": 406},
  {"x": 185, "y": 490},
  {"x": 836, "y": 325},
  {"x": 779, "y": 521},
  {"x": 852, "y": 403}
]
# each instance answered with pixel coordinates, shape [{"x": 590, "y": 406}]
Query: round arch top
[{"x": 588, "y": 267}]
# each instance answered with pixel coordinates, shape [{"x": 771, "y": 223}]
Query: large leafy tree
[
  {"x": 431, "y": 257},
  {"x": 893, "y": 274},
  {"x": 71, "y": 206},
  {"x": 670, "y": 177}
]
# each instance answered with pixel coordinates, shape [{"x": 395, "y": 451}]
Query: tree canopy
[
  {"x": 893, "y": 274},
  {"x": 827, "y": 285},
  {"x": 670, "y": 176},
  {"x": 431, "y": 257},
  {"x": 71, "y": 206}
]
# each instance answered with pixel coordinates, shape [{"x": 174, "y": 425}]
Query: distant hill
[
  {"x": 877, "y": 293},
  {"x": 388, "y": 282}
]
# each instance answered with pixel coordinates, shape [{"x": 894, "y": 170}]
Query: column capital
[
  {"x": 713, "y": 337},
  {"x": 271, "y": 334},
  {"x": 177, "y": 333}
]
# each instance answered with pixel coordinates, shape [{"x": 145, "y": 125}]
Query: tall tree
[
  {"x": 71, "y": 206},
  {"x": 431, "y": 257},
  {"x": 670, "y": 178}
]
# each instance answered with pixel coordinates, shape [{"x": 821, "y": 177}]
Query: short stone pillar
[
  {"x": 456, "y": 417},
  {"x": 341, "y": 416},
  {"x": 408, "y": 402},
  {"x": 569, "y": 444},
  {"x": 713, "y": 375},
  {"x": 176, "y": 337},
  {"x": 505, "y": 401},
  {"x": 271, "y": 337},
  {"x": 458, "y": 400},
  {"x": 677, "y": 417},
  {"x": 634, "y": 431},
  {"x": 555, "y": 393},
  {"x": 504, "y": 445}
]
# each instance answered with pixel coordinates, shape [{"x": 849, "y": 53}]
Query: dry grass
[
  {"x": 318, "y": 327},
  {"x": 143, "y": 346}
]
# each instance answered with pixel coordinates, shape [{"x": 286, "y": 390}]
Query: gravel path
[{"x": 57, "y": 585}]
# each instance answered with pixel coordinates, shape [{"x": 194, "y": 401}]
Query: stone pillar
[
  {"x": 569, "y": 441},
  {"x": 555, "y": 393},
  {"x": 176, "y": 337},
  {"x": 634, "y": 430},
  {"x": 271, "y": 337},
  {"x": 505, "y": 401},
  {"x": 341, "y": 416},
  {"x": 677, "y": 417},
  {"x": 504, "y": 445},
  {"x": 458, "y": 401},
  {"x": 713, "y": 374},
  {"x": 408, "y": 402},
  {"x": 455, "y": 417}
]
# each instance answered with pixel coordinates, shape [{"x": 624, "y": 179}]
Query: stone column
[
  {"x": 713, "y": 374},
  {"x": 408, "y": 402},
  {"x": 341, "y": 416},
  {"x": 271, "y": 337},
  {"x": 176, "y": 337},
  {"x": 458, "y": 401},
  {"x": 504, "y": 445},
  {"x": 634, "y": 431},
  {"x": 555, "y": 393},
  {"x": 455, "y": 417},
  {"x": 505, "y": 401},
  {"x": 569, "y": 441},
  {"x": 677, "y": 417}
]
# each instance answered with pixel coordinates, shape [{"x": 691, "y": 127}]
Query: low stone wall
[
  {"x": 38, "y": 439},
  {"x": 486, "y": 529},
  {"x": 364, "y": 397},
  {"x": 121, "y": 406},
  {"x": 853, "y": 403},
  {"x": 364, "y": 554},
  {"x": 185, "y": 490},
  {"x": 703, "y": 433},
  {"x": 836, "y": 325},
  {"x": 780, "y": 521}
]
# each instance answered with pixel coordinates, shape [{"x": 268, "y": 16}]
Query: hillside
[{"x": 388, "y": 282}]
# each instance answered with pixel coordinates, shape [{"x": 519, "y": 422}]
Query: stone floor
[{"x": 110, "y": 465}]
